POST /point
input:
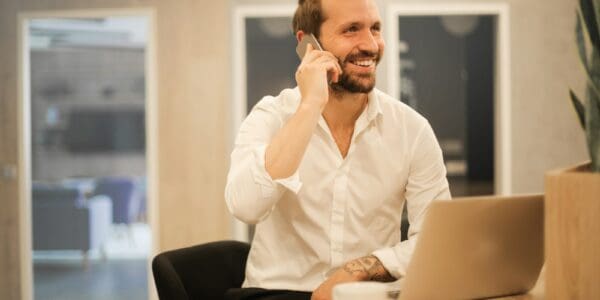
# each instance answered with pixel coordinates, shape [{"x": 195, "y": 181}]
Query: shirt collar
[{"x": 373, "y": 106}]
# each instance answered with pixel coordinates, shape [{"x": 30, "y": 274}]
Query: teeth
[{"x": 364, "y": 63}]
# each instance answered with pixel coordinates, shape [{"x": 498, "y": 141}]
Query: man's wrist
[
  {"x": 311, "y": 104},
  {"x": 368, "y": 268}
]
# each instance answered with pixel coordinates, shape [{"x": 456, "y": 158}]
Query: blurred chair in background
[
  {"x": 121, "y": 191},
  {"x": 64, "y": 220}
]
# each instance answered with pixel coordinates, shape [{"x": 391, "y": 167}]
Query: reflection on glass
[
  {"x": 447, "y": 74},
  {"x": 271, "y": 57}
]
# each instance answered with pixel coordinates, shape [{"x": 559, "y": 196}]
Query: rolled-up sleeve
[
  {"x": 251, "y": 193},
  {"x": 426, "y": 183}
]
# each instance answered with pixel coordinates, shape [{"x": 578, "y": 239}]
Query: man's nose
[{"x": 368, "y": 42}]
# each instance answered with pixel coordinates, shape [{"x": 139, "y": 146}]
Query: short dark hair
[{"x": 308, "y": 17}]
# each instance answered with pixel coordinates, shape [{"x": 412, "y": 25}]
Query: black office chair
[{"x": 200, "y": 272}]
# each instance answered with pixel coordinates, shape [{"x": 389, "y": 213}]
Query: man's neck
[{"x": 343, "y": 109}]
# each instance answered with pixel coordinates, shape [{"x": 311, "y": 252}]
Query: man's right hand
[
  {"x": 285, "y": 152},
  {"x": 313, "y": 75}
]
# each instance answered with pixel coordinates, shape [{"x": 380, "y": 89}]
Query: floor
[
  {"x": 112, "y": 279},
  {"x": 123, "y": 274}
]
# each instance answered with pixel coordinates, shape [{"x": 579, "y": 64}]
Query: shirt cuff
[
  {"x": 264, "y": 180},
  {"x": 389, "y": 260}
]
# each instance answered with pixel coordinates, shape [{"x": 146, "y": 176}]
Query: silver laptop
[{"x": 477, "y": 247}]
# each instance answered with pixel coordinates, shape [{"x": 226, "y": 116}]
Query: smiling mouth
[{"x": 364, "y": 62}]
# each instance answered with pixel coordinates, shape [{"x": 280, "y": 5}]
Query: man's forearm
[
  {"x": 360, "y": 269},
  {"x": 285, "y": 152},
  {"x": 368, "y": 268}
]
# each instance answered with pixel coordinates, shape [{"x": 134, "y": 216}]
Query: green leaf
[
  {"x": 593, "y": 129},
  {"x": 579, "y": 108},
  {"x": 596, "y": 101},
  {"x": 583, "y": 55},
  {"x": 592, "y": 85},
  {"x": 589, "y": 16},
  {"x": 581, "y": 43}
]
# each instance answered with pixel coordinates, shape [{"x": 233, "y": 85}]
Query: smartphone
[{"x": 309, "y": 38}]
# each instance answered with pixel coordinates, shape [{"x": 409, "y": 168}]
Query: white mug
[{"x": 361, "y": 290}]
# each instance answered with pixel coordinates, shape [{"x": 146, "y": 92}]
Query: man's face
[{"x": 352, "y": 32}]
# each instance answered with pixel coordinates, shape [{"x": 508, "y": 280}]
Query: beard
[
  {"x": 356, "y": 83},
  {"x": 363, "y": 83}
]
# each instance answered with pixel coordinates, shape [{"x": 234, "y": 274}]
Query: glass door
[{"x": 90, "y": 236}]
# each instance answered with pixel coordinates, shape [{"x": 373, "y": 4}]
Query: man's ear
[{"x": 299, "y": 35}]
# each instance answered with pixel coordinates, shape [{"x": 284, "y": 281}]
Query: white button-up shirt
[{"x": 334, "y": 209}]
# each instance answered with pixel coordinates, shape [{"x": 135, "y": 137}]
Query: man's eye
[{"x": 352, "y": 29}]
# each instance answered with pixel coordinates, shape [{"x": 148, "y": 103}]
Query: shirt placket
[{"x": 337, "y": 216}]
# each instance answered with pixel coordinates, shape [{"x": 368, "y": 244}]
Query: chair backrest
[
  {"x": 59, "y": 218},
  {"x": 120, "y": 191},
  {"x": 200, "y": 272},
  {"x": 54, "y": 195}
]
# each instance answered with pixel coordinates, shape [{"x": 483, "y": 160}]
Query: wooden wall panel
[
  {"x": 193, "y": 98},
  {"x": 194, "y": 89},
  {"x": 546, "y": 133},
  {"x": 9, "y": 222}
]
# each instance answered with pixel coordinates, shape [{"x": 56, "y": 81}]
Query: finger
[
  {"x": 309, "y": 49},
  {"x": 312, "y": 54},
  {"x": 322, "y": 59},
  {"x": 337, "y": 61},
  {"x": 332, "y": 68},
  {"x": 335, "y": 77},
  {"x": 311, "y": 57},
  {"x": 329, "y": 59},
  {"x": 337, "y": 64},
  {"x": 329, "y": 54}
]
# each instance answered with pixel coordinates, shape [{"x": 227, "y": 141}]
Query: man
[{"x": 324, "y": 169}]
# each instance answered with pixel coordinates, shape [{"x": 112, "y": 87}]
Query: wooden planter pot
[{"x": 572, "y": 234}]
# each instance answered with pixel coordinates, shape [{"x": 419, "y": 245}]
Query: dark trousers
[
  {"x": 212, "y": 271},
  {"x": 263, "y": 294}
]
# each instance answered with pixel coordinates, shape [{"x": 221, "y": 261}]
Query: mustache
[{"x": 363, "y": 54}]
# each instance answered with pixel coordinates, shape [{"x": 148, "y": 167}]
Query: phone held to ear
[
  {"x": 309, "y": 38},
  {"x": 301, "y": 49}
]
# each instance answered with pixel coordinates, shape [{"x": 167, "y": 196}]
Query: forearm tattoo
[{"x": 368, "y": 268}]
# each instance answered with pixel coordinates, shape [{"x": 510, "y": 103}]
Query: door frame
[
  {"x": 502, "y": 84},
  {"x": 239, "y": 73},
  {"x": 24, "y": 130}
]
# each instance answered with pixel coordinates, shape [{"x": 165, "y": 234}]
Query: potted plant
[{"x": 572, "y": 208}]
